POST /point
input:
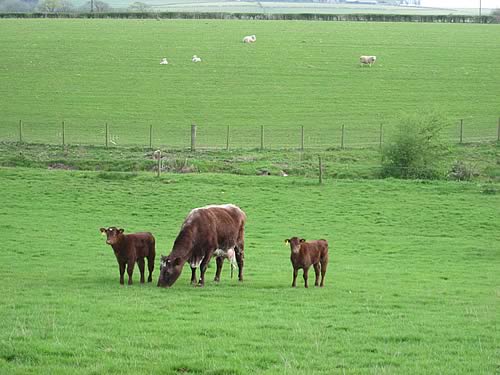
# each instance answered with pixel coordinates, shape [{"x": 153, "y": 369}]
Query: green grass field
[
  {"x": 412, "y": 286},
  {"x": 89, "y": 72}
]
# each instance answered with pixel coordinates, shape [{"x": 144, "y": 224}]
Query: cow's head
[
  {"x": 295, "y": 243},
  {"x": 170, "y": 270},
  {"x": 112, "y": 234}
]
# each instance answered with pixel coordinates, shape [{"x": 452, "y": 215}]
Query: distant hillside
[{"x": 290, "y": 6}]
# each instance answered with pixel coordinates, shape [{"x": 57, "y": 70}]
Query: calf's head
[
  {"x": 295, "y": 243},
  {"x": 113, "y": 234},
  {"x": 170, "y": 270}
]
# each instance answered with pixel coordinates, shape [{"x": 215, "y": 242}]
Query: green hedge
[{"x": 261, "y": 16}]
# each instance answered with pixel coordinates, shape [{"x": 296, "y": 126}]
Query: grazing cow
[
  {"x": 367, "y": 60},
  {"x": 131, "y": 248},
  {"x": 249, "y": 39},
  {"x": 207, "y": 231},
  {"x": 304, "y": 254}
]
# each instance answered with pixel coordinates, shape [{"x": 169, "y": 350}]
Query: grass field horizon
[
  {"x": 412, "y": 284},
  {"x": 91, "y": 72}
]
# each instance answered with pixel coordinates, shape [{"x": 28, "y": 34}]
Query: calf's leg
[
  {"x": 294, "y": 281},
  {"x": 306, "y": 272},
  {"x": 130, "y": 271},
  {"x": 122, "y": 272},
  {"x": 316, "y": 271},
  {"x": 324, "y": 265},
  {"x": 151, "y": 267},
  {"x": 140, "y": 263}
]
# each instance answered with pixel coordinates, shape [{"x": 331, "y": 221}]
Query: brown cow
[
  {"x": 131, "y": 248},
  {"x": 206, "y": 231},
  {"x": 304, "y": 254}
]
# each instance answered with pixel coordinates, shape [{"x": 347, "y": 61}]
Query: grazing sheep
[
  {"x": 164, "y": 61},
  {"x": 367, "y": 60},
  {"x": 249, "y": 39},
  {"x": 196, "y": 59}
]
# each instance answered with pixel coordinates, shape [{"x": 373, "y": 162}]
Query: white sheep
[
  {"x": 164, "y": 61},
  {"x": 249, "y": 39},
  {"x": 196, "y": 59},
  {"x": 367, "y": 60}
]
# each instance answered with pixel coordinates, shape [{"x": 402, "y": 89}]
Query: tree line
[{"x": 65, "y": 6}]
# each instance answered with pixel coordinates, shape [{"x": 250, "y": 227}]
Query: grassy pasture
[
  {"x": 88, "y": 72},
  {"x": 412, "y": 285}
]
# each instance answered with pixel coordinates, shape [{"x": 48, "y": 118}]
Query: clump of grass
[
  {"x": 119, "y": 176},
  {"x": 489, "y": 190}
]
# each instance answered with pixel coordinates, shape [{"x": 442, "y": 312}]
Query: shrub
[
  {"x": 415, "y": 149},
  {"x": 461, "y": 171}
]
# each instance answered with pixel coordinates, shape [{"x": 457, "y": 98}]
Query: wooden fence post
[
  {"x": 302, "y": 138},
  {"x": 106, "y": 135},
  {"x": 498, "y": 130},
  {"x": 63, "y": 135},
  {"x": 227, "y": 139},
  {"x": 461, "y": 130},
  {"x": 342, "y": 137},
  {"x": 320, "y": 171},
  {"x": 262, "y": 137},
  {"x": 20, "y": 131},
  {"x": 193, "y": 137}
]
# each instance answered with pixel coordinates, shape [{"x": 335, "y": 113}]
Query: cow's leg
[
  {"x": 316, "y": 271},
  {"x": 140, "y": 263},
  {"x": 240, "y": 258},
  {"x": 151, "y": 267},
  {"x": 306, "y": 272},
  {"x": 193, "y": 275},
  {"x": 220, "y": 263},
  {"x": 122, "y": 271},
  {"x": 203, "y": 268},
  {"x": 240, "y": 252},
  {"x": 130, "y": 271},
  {"x": 294, "y": 282}
]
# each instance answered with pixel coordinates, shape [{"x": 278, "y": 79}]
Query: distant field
[
  {"x": 412, "y": 286},
  {"x": 89, "y": 72},
  {"x": 297, "y": 7},
  {"x": 291, "y": 7}
]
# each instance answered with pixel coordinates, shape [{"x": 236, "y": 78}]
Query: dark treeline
[{"x": 261, "y": 16}]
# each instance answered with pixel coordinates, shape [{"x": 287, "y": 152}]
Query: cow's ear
[
  {"x": 102, "y": 230},
  {"x": 302, "y": 240},
  {"x": 287, "y": 241},
  {"x": 120, "y": 231}
]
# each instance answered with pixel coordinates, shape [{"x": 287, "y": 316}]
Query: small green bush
[
  {"x": 415, "y": 150},
  {"x": 461, "y": 171}
]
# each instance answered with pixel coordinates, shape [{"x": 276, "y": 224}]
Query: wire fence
[{"x": 196, "y": 137}]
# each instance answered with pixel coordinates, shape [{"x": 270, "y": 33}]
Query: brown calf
[
  {"x": 304, "y": 254},
  {"x": 131, "y": 248}
]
